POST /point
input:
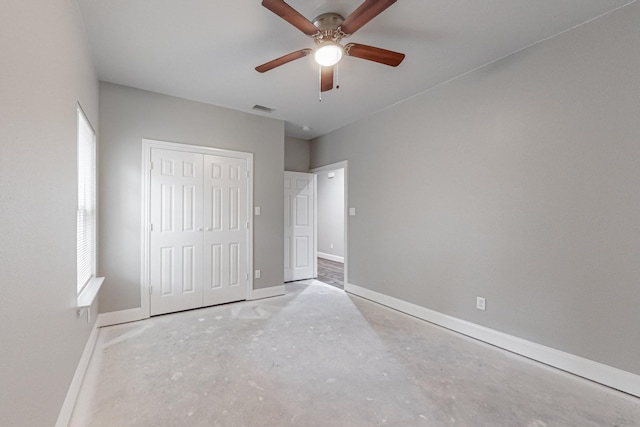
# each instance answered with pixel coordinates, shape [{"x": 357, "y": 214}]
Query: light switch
[
  {"x": 257, "y": 210},
  {"x": 352, "y": 211}
]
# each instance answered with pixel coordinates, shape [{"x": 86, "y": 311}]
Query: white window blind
[{"x": 86, "y": 202}]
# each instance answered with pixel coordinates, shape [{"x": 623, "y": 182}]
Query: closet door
[
  {"x": 176, "y": 242},
  {"x": 226, "y": 229}
]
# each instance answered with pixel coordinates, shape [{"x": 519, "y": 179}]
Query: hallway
[{"x": 331, "y": 272}]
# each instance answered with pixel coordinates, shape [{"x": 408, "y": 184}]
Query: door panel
[
  {"x": 189, "y": 269},
  {"x": 176, "y": 243},
  {"x": 225, "y": 236},
  {"x": 299, "y": 243},
  {"x": 302, "y": 252},
  {"x": 302, "y": 210},
  {"x": 167, "y": 265}
]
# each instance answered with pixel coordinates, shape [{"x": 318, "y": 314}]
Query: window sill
[{"x": 89, "y": 293}]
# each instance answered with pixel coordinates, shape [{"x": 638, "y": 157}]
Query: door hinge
[
  {"x": 247, "y": 225},
  {"x": 151, "y": 166},
  {"x": 150, "y": 289},
  {"x": 150, "y": 227},
  {"x": 247, "y": 174},
  {"x": 247, "y": 276}
]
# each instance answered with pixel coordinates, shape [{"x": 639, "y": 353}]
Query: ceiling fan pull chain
[
  {"x": 337, "y": 78},
  {"x": 320, "y": 83}
]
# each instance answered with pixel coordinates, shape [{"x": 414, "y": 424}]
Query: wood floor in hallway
[{"x": 331, "y": 272}]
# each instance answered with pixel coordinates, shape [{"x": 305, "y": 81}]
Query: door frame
[
  {"x": 147, "y": 146},
  {"x": 328, "y": 168}
]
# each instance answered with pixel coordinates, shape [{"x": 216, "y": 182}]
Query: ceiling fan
[{"x": 327, "y": 30}]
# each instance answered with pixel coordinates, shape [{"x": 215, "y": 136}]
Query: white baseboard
[
  {"x": 64, "y": 417},
  {"x": 330, "y": 257},
  {"x": 122, "y": 316},
  {"x": 135, "y": 314},
  {"x": 594, "y": 371},
  {"x": 273, "y": 291}
]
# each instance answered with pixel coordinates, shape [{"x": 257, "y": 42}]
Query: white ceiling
[{"x": 206, "y": 50}]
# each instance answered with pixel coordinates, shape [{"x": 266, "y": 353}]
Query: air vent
[{"x": 263, "y": 109}]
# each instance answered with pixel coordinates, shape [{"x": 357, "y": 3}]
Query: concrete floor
[{"x": 320, "y": 357}]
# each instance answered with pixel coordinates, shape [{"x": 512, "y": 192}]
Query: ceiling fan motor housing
[{"x": 328, "y": 25}]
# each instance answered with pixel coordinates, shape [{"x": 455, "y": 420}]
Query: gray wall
[
  {"x": 45, "y": 71},
  {"x": 127, "y": 116},
  {"x": 517, "y": 182},
  {"x": 331, "y": 213},
  {"x": 297, "y": 154}
]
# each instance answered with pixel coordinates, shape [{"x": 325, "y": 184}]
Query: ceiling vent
[{"x": 263, "y": 109}]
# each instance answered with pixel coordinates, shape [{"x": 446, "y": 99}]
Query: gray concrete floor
[{"x": 320, "y": 357}]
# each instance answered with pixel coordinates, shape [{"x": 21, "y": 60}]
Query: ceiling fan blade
[
  {"x": 326, "y": 79},
  {"x": 283, "y": 60},
  {"x": 383, "y": 56},
  {"x": 363, "y": 14},
  {"x": 292, "y": 16}
]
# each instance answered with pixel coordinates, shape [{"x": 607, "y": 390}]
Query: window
[{"x": 86, "y": 202}]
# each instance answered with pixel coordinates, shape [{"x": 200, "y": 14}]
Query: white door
[
  {"x": 199, "y": 230},
  {"x": 176, "y": 235},
  {"x": 226, "y": 275},
  {"x": 299, "y": 223}
]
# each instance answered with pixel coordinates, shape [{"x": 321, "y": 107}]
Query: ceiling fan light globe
[{"x": 328, "y": 54}]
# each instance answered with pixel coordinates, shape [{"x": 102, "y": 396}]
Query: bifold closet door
[
  {"x": 176, "y": 231},
  {"x": 199, "y": 230},
  {"x": 226, "y": 229}
]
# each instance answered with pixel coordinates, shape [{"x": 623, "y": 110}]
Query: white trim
[
  {"x": 147, "y": 145},
  {"x": 330, "y": 257},
  {"x": 327, "y": 168},
  {"x": 250, "y": 218},
  {"x": 145, "y": 297},
  {"x": 89, "y": 293},
  {"x": 121, "y": 316},
  {"x": 594, "y": 371},
  {"x": 273, "y": 291},
  {"x": 315, "y": 225},
  {"x": 64, "y": 416}
]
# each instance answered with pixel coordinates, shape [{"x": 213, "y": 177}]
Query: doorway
[{"x": 331, "y": 220}]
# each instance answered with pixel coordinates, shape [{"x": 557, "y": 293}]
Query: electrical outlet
[
  {"x": 481, "y": 303},
  {"x": 257, "y": 210},
  {"x": 352, "y": 211},
  {"x": 257, "y": 274},
  {"x": 331, "y": 245}
]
